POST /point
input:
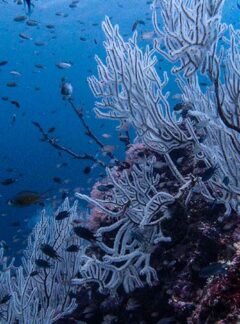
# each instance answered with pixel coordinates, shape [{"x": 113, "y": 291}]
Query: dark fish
[
  {"x": 16, "y": 224},
  {"x": 50, "y": 251},
  {"x": 32, "y": 23},
  {"x": 15, "y": 103},
  {"x": 57, "y": 180},
  {"x": 84, "y": 233},
  {"x": 41, "y": 263},
  {"x": 24, "y": 36},
  {"x": 62, "y": 215},
  {"x": 238, "y": 4},
  {"x": 5, "y": 299},
  {"x": 87, "y": 170},
  {"x": 83, "y": 39},
  {"x": 72, "y": 248},
  {"x": 66, "y": 89},
  {"x": 34, "y": 273},
  {"x": 3, "y": 63},
  {"x": 26, "y": 198},
  {"x": 213, "y": 270},
  {"x": 11, "y": 84},
  {"x": 50, "y": 26},
  {"x": 5, "y": 98},
  {"x": 209, "y": 173},
  {"x": 140, "y": 22},
  {"x": 104, "y": 188},
  {"x": 51, "y": 129},
  {"x": 20, "y": 18},
  {"x": 8, "y": 181},
  {"x": 40, "y": 43},
  {"x": 39, "y": 66}
]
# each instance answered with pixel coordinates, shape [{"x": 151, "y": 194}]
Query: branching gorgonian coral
[
  {"x": 140, "y": 209},
  {"x": 40, "y": 290},
  {"x": 191, "y": 31},
  {"x": 131, "y": 90},
  {"x": 207, "y": 121}
]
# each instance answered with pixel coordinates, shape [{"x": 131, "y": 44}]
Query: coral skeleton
[
  {"x": 41, "y": 292},
  {"x": 136, "y": 203}
]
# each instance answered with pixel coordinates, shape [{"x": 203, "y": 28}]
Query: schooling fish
[
  {"x": 8, "y": 181},
  {"x": 26, "y": 198},
  {"x": 42, "y": 263},
  {"x": 84, "y": 233},
  {"x": 66, "y": 90},
  {"x": 50, "y": 251},
  {"x": 72, "y": 248},
  {"x": 62, "y": 215}
]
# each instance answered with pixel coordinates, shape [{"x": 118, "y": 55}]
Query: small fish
[
  {"x": 5, "y": 299},
  {"x": 83, "y": 39},
  {"x": 2, "y": 63},
  {"x": 15, "y": 73},
  {"x": 209, "y": 173},
  {"x": 41, "y": 263},
  {"x": 87, "y": 170},
  {"x": 72, "y": 248},
  {"x": 39, "y": 66},
  {"x": 57, "y": 180},
  {"x": 15, "y": 103},
  {"x": 66, "y": 90},
  {"x": 63, "y": 65},
  {"x": 108, "y": 148},
  {"x": 26, "y": 198},
  {"x": 16, "y": 224},
  {"x": 8, "y": 181},
  {"x": 34, "y": 273},
  {"x": 106, "y": 135},
  {"x": 238, "y": 4},
  {"x": 50, "y": 251},
  {"x": 50, "y": 26},
  {"x": 5, "y": 98},
  {"x": 84, "y": 233},
  {"x": 62, "y": 215},
  {"x": 25, "y": 36},
  {"x": 20, "y": 18},
  {"x": 51, "y": 129},
  {"x": 32, "y": 23},
  {"x": 104, "y": 188},
  {"x": 40, "y": 43},
  {"x": 140, "y": 22},
  {"x": 11, "y": 84}
]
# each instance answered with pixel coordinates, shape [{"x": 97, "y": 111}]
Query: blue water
[{"x": 35, "y": 163}]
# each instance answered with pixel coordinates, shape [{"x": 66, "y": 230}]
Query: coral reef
[{"x": 161, "y": 244}]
